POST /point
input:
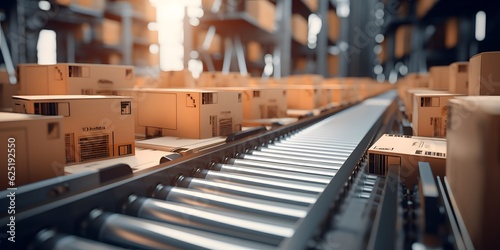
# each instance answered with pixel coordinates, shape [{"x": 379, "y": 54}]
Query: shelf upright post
[
  {"x": 283, "y": 37},
  {"x": 322, "y": 42}
]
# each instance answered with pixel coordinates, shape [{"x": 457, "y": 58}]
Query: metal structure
[{"x": 293, "y": 187}]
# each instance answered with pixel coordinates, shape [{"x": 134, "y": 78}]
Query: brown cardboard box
[
  {"x": 336, "y": 91},
  {"x": 142, "y": 57},
  {"x": 264, "y": 13},
  {"x": 214, "y": 47},
  {"x": 459, "y": 78},
  {"x": 299, "y": 29},
  {"x": 175, "y": 79},
  {"x": 38, "y": 145},
  {"x": 333, "y": 64},
  {"x": 451, "y": 37},
  {"x": 311, "y": 4},
  {"x": 418, "y": 80},
  {"x": 305, "y": 97},
  {"x": 439, "y": 78},
  {"x": 109, "y": 32},
  {"x": 261, "y": 102},
  {"x": 430, "y": 113},
  {"x": 484, "y": 76},
  {"x": 143, "y": 7},
  {"x": 473, "y": 165},
  {"x": 219, "y": 79},
  {"x": 7, "y": 90},
  {"x": 333, "y": 26},
  {"x": 406, "y": 151},
  {"x": 73, "y": 78},
  {"x": 254, "y": 52},
  {"x": 188, "y": 113},
  {"x": 95, "y": 127},
  {"x": 423, "y": 6},
  {"x": 403, "y": 42},
  {"x": 305, "y": 79},
  {"x": 409, "y": 100}
]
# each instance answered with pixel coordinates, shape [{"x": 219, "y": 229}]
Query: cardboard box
[
  {"x": 7, "y": 90},
  {"x": 403, "y": 40},
  {"x": 430, "y": 113},
  {"x": 95, "y": 127},
  {"x": 73, "y": 79},
  {"x": 176, "y": 79},
  {"x": 459, "y": 78},
  {"x": 142, "y": 57},
  {"x": 484, "y": 76},
  {"x": 219, "y": 79},
  {"x": 305, "y": 79},
  {"x": 109, "y": 32},
  {"x": 311, "y": 4},
  {"x": 451, "y": 36},
  {"x": 143, "y": 8},
  {"x": 439, "y": 78},
  {"x": 188, "y": 113},
  {"x": 254, "y": 52},
  {"x": 215, "y": 45},
  {"x": 261, "y": 102},
  {"x": 406, "y": 151},
  {"x": 408, "y": 100},
  {"x": 336, "y": 90},
  {"x": 333, "y": 64},
  {"x": 264, "y": 13},
  {"x": 473, "y": 165},
  {"x": 299, "y": 28},
  {"x": 417, "y": 80},
  {"x": 38, "y": 148},
  {"x": 423, "y": 6},
  {"x": 333, "y": 26},
  {"x": 306, "y": 97}
]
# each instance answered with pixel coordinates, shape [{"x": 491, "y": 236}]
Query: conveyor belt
[{"x": 270, "y": 191}]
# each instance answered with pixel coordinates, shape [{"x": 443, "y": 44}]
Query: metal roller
[
  {"x": 319, "y": 156},
  {"x": 262, "y": 181},
  {"x": 291, "y": 168},
  {"x": 313, "y": 148},
  {"x": 315, "y": 144},
  {"x": 271, "y": 194},
  {"x": 338, "y": 161},
  {"x": 232, "y": 202},
  {"x": 320, "y": 139},
  {"x": 274, "y": 148},
  {"x": 139, "y": 233},
  {"x": 241, "y": 225},
  {"x": 281, "y": 174},
  {"x": 52, "y": 240},
  {"x": 298, "y": 161}
]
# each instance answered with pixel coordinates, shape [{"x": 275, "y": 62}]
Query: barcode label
[
  {"x": 256, "y": 93},
  {"x": 69, "y": 143},
  {"x": 272, "y": 111},
  {"x": 436, "y": 123},
  {"x": 225, "y": 126},
  {"x": 462, "y": 68},
  {"x": 430, "y": 153},
  {"x": 208, "y": 98},
  {"x": 78, "y": 71},
  {"x": 94, "y": 147},
  {"x": 87, "y": 91},
  {"x": 429, "y": 101},
  {"x": 213, "y": 122},
  {"x": 403, "y": 136},
  {"x": 125, "y": 149}
]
